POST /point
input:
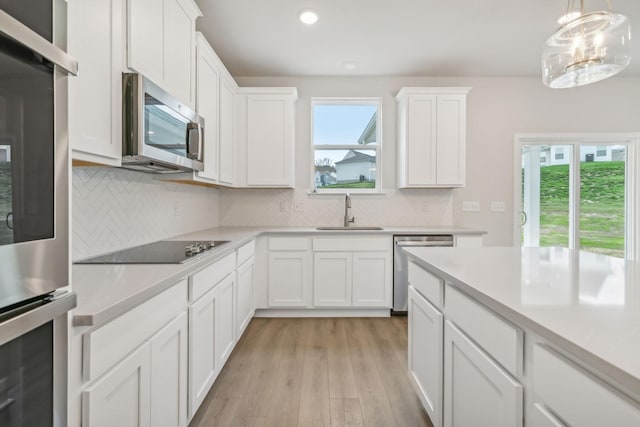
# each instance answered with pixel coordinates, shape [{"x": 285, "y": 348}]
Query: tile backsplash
[
  {"x": 277, "y": 207},
  {"x": 114, "y": 209}
]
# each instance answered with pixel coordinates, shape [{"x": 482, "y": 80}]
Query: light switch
[
  {"x": 298, "y": 207},
  {"x": 497, "y": 206},
  {"x": 471, "y": 206}
]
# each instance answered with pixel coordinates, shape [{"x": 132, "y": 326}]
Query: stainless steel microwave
[{"x": 160, "y": 133}]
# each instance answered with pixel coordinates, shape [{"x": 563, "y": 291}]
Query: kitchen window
[
  {"x": 581, "y": 201},
  {"x": 345, "y": 138}
]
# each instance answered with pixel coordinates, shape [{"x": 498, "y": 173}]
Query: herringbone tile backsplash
[{"x": 114, "y": 209}]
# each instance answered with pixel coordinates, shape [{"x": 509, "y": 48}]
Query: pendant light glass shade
[{"x": 587, "y": 49}]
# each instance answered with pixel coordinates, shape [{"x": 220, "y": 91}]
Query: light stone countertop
[
  {"x": 587, "y": 304},
  {"x": 109, "y": 290}
]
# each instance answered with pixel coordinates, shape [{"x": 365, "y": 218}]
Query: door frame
[{"x": 632, "y": 180}]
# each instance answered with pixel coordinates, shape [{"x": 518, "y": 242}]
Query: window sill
[{"x": 342, "y": 192}]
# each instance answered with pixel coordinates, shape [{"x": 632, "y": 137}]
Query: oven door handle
[
  {"x": 426, "y": 243},
  {"x": 29, "y": 320},
  {"x": 34, "y": 41}
]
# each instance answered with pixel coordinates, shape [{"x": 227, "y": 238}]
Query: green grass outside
[
  {"x": 363, "y": 184},
  {"x": 6, "y": 235},
  {"x": 601, "y": 207}
]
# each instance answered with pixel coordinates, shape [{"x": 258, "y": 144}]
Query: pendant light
[{"x": 588, "y": 47}]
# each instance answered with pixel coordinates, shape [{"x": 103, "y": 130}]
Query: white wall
[
  {"x": 497, "y": 109},
  {"x": 114, "y": 209}
]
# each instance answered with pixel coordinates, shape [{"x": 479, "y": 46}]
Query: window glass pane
[
  {"x": 602, "y": 199},
  {"x": 545, "y": 195},
  {"x": 345, "y": 168},
  {"x": 344, "y": 124}
]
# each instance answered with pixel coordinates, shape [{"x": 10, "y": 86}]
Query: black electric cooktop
[{"x": 163, "y": 252}]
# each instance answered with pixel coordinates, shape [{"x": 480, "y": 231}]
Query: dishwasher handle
[{"x": 428, "y": 243}]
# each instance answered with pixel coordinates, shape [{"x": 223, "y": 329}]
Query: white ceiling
[{"x": 391, "y": 37}]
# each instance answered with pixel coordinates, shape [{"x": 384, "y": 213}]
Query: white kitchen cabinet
[
  {"x": 225, "y": 335},
  {"x": 226, "y": 145},
  {"x": 244, "y": 296},
  {"x": 289, "y": 272},
  {"x": 203, "y": 368},
  {"x": 96, "y": 30},
  {"x": 161, "y": 44},
  {"x": 431, "y": 137},
  {"x": 477, "y": 391},
  {"x": 332, "y": 279},
  {"x": 575, "y": 396},
  {"x": 372, "y": 276},
  {"x": 352, "y": 272},
  {"x": 426, "y": 332},
  {"x": 169, "y": 375},
  {"x": 266, "y": 124},
  {"x": 122, "y": 397},
  {"x": 207, "y": 104}
]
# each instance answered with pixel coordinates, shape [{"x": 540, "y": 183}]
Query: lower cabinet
[
  {"x": 426, "y": 353},
  {"x": 225, "y": 334},
  {"x": 332, "y": 279},
  {"x": 244, "y": 297},
  {"x": 288, "y": 276},
  {"x": 147, "y": 388},
  {"x": 477, "y": 391}
]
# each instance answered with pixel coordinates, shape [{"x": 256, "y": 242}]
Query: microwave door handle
[{"x": 194, "y": 141}]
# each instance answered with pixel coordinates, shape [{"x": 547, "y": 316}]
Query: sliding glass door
[{"x": 574, "y": 194}]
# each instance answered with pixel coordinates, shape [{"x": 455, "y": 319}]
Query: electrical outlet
[
  {"x": 285, "y": 206},
  {"x": 424, "y": 207},
  {"x": 471, "y": 206},
  {"x": 497, "y": 206},
  {"x": 177, "y": 209},
  {"x": 298, "y": 207}
]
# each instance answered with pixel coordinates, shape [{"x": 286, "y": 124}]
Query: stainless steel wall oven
[{"x": 34, "y": 245}]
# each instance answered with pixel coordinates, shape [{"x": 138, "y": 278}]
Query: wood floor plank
[
  {"x": 285, "y": 401},
  {"x": 342, "y": 382},
  {"x": 220, "y": 412},
  {"x": 376, "y": 409},
  {"x": 346, "y": 413},
  {"x": 315, "y": 407}
]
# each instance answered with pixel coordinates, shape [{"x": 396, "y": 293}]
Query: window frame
[
  {"x": 377, "y": 147},
  {"x": 576, "y": 140}
]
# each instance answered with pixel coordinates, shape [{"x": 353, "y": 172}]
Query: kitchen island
[{"x": 546, "y": 336}]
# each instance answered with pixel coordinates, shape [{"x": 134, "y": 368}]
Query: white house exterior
[
  {"x": 560, "y": 155},
  {"x": 356, "y": 166}
]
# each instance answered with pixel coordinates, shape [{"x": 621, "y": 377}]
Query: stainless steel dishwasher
[{"x": 400, "y": 273}]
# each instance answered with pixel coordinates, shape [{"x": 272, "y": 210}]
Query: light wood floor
[{"x": 316, "y": 372}]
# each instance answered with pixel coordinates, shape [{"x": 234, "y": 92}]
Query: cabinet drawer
[
  {"x": 429, "y": 285},
  {"x": 210, "y": 276},
  {"x": 288, "y": 243},
  {"x": 338, "y": 244},
  {"x": 245, "y": 252},
  {"x": 108, "y": 344},
  {"x": 502, "y": 340},
  {"x": 577, "y": 397}
]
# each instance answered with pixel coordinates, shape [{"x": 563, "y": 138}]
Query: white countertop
[
  {"x": 587, "y": 304},
  {"x": 106, "y": 291}
]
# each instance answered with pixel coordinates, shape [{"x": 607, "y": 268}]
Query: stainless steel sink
[{"x": 348, "y": 228}]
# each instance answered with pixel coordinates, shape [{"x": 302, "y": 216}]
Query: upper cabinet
[
  {"x": 96, "y": 34},
  {"x": 431, "y": 137},
  {"x": 266, "y": 136},
  {"x": 161, "y": 44}
]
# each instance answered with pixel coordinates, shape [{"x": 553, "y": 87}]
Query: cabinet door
[
  {"x": 425, "y": 353},
  {"x": 202, "y": 348},
  {"x": 451, "y": 137},
  {"x": 225, "y": 338},
  {"x": 372, "y": 279},
  {"x": 96, "y": 29},
  {"x": 288, "y": 280},
  {"x": 179, "y": 50},
  {"x": 420, "y": 155},
  {"x": 169, "y": 375},
  {"x": 145, "y": 38},
  {"x": 270, "y": 141},
  {"x": 477, "y": 391},
  {"x": 208, "y": 79},
  {"x": 244, "y": 300},
  {"x": 332, "y": 279},
  {"x": 227, "y": 108},
  {"x": 122, "y": 396}
]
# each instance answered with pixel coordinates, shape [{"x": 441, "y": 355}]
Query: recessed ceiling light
[{"x": 308, "y": 16}]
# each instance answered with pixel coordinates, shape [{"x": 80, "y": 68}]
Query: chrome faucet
[{"x": 347, "y": 206}]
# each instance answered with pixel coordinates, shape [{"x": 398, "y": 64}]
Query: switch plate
[
  {"x": 177, "y": 209},
  {"x": 298, "y": 207},
  {"x": 285, "y": 206},
  {"x": 424, "y": 207},
  {"x": 497, "y": 206},
  {"x": 471, "y": 206}
]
